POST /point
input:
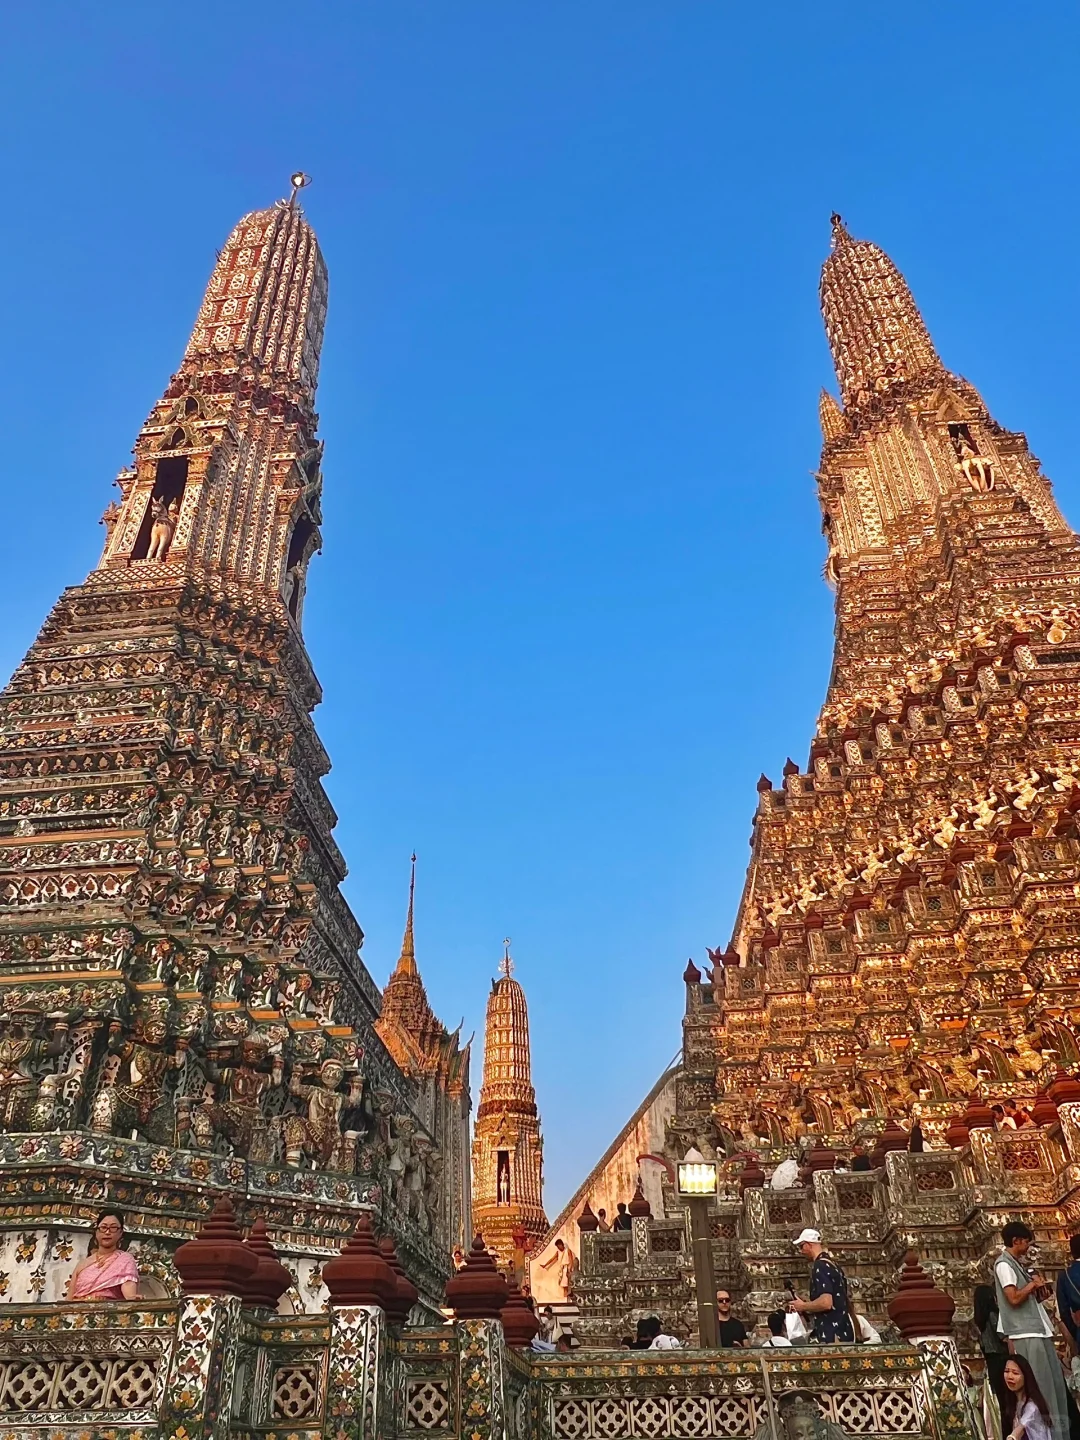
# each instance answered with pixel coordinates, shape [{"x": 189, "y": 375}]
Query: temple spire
[
  {"x": 833, "y": 424},
  {"x": 877, "y": 336},
  {"x": 507, "y": 1148},
  {"x": 406, "y": 964}
]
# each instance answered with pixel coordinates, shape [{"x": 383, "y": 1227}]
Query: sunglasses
[{"x": 723, "y": 1299}]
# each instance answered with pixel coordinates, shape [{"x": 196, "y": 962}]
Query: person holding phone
[{"x": 1024, "y": 1323}]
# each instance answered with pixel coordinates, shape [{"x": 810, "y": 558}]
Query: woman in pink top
[{"x": 108, "y": 1272}]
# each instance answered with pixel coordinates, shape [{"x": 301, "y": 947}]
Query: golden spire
[
  {"x": 507, "y": 1148},
  {"x": 833, "y": 424},
  {"x": 406, "y": 964},
  {"x": 877, "y": 336}
]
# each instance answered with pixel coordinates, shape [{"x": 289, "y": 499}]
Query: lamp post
[{"x": 696, "y": 1183}]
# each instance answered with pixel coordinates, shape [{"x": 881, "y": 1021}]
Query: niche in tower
[
  {"x": 502, "y": 1177},
  {"x": 296, "y": 561},
  {"x": 169, "y": 481}
]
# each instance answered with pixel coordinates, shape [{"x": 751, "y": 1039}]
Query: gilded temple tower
[
  {"x": 508, "y": 1152},
  {"x": 907, "y": 945},
  {"x": 184, "y": 1007},
  {"x": 909, "y": 931}
]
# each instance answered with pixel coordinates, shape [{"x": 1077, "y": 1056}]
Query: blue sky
[{"x": 570, "y": 599}]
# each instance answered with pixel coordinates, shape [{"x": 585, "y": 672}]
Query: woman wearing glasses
[{"x": 108, "y": 1272}]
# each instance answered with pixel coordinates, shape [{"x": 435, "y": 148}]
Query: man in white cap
[{"x": 829, "y": 1307}]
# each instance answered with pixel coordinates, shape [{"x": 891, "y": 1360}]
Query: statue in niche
[
  {"x": 976, "y": 467},
  {"x": 131, "y": 1097},
  {"x": 317, "y": 1135},
  {"x": 163, "y": 519},
  {"x": 23, "y": 1052}
]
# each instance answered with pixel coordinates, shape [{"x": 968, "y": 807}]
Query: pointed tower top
[
  {"x": 877, "y": 336},
  {"x": 506, "y": 964},
  {"x": 265, "y": 306},
  {"x": 406, "y": 964},
  {"x": 833, "y": 424}
]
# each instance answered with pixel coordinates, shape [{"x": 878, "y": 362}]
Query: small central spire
[{"x": 506, "y": 964}]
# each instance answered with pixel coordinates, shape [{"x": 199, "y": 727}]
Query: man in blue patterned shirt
[{"x": 829, "y": 1308}]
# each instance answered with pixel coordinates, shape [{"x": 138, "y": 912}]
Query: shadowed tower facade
[
  {"x": 508, "y": 1151},
  {"x": 430, "y": 1055},
  {"x": 184, "y": 1005}
]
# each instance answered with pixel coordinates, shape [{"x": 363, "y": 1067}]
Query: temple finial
[
  {"x": 840, "y": 232},
  {"x": 506, "y": 964},
  {"x": 299, "y": 181}
]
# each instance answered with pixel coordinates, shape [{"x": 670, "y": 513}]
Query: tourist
[
  {"x": 647, "y": 1330},
  {"x": 458, "y": 1257},
  {"x": 860, "y": 1160},
  {"x": 994, "y": 1349},
  {"x": 626, "y": 1343},
  {"x": 868, "y": 1334},
  {"x": 566, "y": 1260},
  {"x": 829, "y": 1305},
  {"x": 733, "y": 1333},
  {"x": 785, "y": 1175},
  {"x": 1017, "y": 1114},
  {"x": 1025, "y": 1414},
  {"x": 916, "y": 1143},
  {"x": 603, "y": 1223},
  {"x": 1068, "y": 1294},
  {"x": 550, "y": 1329},
  {"x": 1001, "y": 1120},
  {"x": 1025, "y": 1324},
  {"x": 662, "y": 1340},
  {"x": 778, "y": 1338},
  {"x": 108, "y": 1272},
  {"x": 623, "y": 1220}
]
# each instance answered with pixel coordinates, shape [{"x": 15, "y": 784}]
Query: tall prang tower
[
  {"x": 909, "y": 933},
  {"x": 508, "y": 1151},
  {"x": 183, "y": 1008}
]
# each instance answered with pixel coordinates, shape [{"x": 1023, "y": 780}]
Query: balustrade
[{"x": 76, "y": 1370}]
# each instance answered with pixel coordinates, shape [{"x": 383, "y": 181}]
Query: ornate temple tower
[
  {"x": 426, "y": 1052},
  {"x": 909, "y": 934},
  {"x": 508, "y": 1152},
  {"x": 184, "y": 1006}
]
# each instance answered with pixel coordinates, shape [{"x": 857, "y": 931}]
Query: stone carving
[
  {"x": 24, "y": 1051},
  {"x": 131, "y": 1096}
]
